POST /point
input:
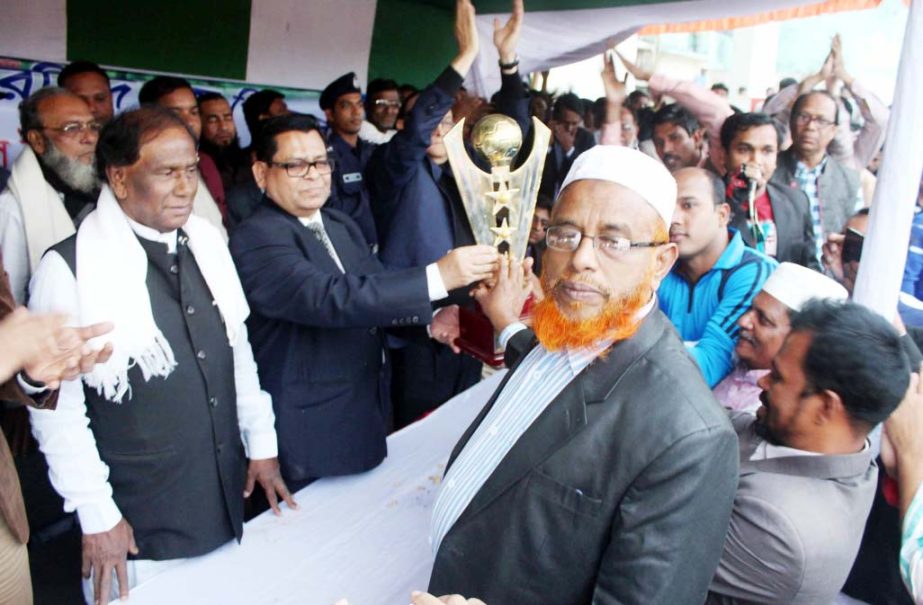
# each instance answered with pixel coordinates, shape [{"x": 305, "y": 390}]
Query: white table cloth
[{"x": 363, "y": 537}]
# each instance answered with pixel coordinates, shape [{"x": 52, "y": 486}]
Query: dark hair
[
  {"x": 718, "y": 190},
  {"x": 209, "y": 95},
  {"x": 379, "y": 85},
  {"x": 265, "y": 146},
  {"x": 720, "y": 86},
  {"x": 544, "y": 201},
  {"x": 800, "y": 101},
  {"x": 121, "y": 139},
  {"x": 636, "y": 94},
  {"x": 81, "y": 67},
  {"x": 855, "y": 353},
  {"x": 568, "y": 101},
  {"x": 160, "y": 86},
  {"x": 786, "y": 82},
  {"x": 739, "y": 122},
  {"x": 257, "y": 104},
  {"x": 376, "y": 86},
  {"x": 29, "y": 118},
  {"x": 676, "y": 114}
]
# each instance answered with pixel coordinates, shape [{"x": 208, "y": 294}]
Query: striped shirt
[
  {"x": 911, "y": 559},
  {"x": 537, "y": 381},
  {"x": 807, "y": 182}
]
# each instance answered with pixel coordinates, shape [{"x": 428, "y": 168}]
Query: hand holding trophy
[{"x": 499, "y": 206}]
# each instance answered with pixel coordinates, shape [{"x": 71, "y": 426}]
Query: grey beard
[{"x": 75, "y": 174}]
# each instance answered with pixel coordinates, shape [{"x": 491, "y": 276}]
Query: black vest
[{"x": 176, "y": 460}]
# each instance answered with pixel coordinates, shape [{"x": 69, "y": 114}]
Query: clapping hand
[{"x": 506, "y": 37}]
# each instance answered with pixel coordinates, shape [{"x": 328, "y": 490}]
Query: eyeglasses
[
  {"x": 567, "y": 239},
  {"x": 387, "y": 103},
  {"x": 300, "y": 169},
  {"x": 75, "y": 129},
  {"x": 803, "y": 119}
]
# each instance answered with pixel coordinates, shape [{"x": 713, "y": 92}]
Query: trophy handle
[
  {"x": 472, "y": 182},
  {"x": 528, "y": 178}
]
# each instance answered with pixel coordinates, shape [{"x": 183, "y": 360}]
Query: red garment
[
  {"x": 764, "y": 208},
  {"x": 212, "y": 179}
]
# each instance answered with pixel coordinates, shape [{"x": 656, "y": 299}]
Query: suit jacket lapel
[
  {"x": 566, "y": 415},
  {"x": 346, "y": 249}
]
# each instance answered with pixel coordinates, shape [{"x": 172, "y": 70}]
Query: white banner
[{"x": 19, "y": 79}]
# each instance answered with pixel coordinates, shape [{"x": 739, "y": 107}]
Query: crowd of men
[{"x": 690, "y": 412}]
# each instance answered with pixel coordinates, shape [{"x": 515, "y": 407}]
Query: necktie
[{"x": 321, "y": 235}]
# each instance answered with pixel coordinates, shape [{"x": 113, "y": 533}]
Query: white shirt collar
[
  {"x": 314, "y": 219},
  {"x": 153, "y": 235}
]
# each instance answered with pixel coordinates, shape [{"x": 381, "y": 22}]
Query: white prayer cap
[
  {"x": 630, "y": 168},
  {"x": 793, "y": 285}
]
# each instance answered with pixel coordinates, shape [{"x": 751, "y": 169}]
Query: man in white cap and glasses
[
  {"x": 602, "y": 470},
  {"x": 764, "y": 326}
]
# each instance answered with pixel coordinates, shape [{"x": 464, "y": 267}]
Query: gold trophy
[{"x": 499, "y": 205}]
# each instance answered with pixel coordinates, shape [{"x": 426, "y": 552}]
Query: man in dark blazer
[
  {"x": 319, "y": 299},
  {"x": 751, "y": 143},
  {"x": 419, "y": 213},
  {"x": 569, "y": 141},
  {"x": 602, "y": 470}
]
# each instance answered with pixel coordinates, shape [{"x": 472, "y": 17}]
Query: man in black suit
[
  {"x": 783, "y": 227},
  {"x": 602, "y": 470},
  {"x": 318, "y": 298},
  {"x": 570, "y": 139}
]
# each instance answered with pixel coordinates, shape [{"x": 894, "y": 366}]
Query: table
[{"x": 363, "y": 537}]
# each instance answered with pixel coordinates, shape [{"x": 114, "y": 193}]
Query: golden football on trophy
[{"x": 497, "y": 138}]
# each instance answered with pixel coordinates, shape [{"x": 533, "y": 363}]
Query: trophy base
[{"x": 477, "y": 337}]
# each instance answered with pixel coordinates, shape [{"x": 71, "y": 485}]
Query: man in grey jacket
[
  {"x": 602, "y": 470},
  {"x": 807, "y": 472}
]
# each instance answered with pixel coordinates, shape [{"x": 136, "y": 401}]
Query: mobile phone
[{"x": 852, "y": 245}]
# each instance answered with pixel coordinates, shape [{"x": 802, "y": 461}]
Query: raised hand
[
  {"x": 466, "y": 35},
  {"x": 506, "y": 37},
  {"x": 642, "y": 75},
  {"x": 615, "y": 88},
  {"x": 502, "y": 301}
]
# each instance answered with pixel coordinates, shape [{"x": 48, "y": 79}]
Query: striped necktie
[{"x": 321, "y": 234}]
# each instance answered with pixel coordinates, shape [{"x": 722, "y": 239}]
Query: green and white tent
[{"x": 308, "y": 43}]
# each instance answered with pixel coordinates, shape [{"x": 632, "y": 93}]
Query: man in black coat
[
  {"x": 602, "y": 470},
  {"x": 319, "y": 299},
  {"x": 784, "y": 228}
]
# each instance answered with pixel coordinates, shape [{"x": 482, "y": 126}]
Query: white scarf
[
  {"x": 111, "y": 286},
  {"x": 44, "y": 217}
]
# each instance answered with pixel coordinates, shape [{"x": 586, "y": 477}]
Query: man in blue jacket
[
  {"x": 319, "y": 299},
  {"x": 716, "y": 277}
]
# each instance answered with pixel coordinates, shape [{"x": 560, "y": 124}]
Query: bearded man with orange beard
[{"x": 602, "y": 470}]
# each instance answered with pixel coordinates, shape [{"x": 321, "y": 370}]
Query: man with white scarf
[
  {"x": 150, "y": 448},
  {"x": 53, "y": 184}
]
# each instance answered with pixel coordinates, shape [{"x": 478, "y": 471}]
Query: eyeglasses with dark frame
[
  {"x": 802, "y": 118},
  {"x": 74, "y": 129},
  {"x": 567, "y": 239},
  {"x": 301, "y": 168}
]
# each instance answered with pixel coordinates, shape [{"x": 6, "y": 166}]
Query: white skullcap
[
  {"x": 793, "y": 285},
  {"x": 630, "y": 168}
]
